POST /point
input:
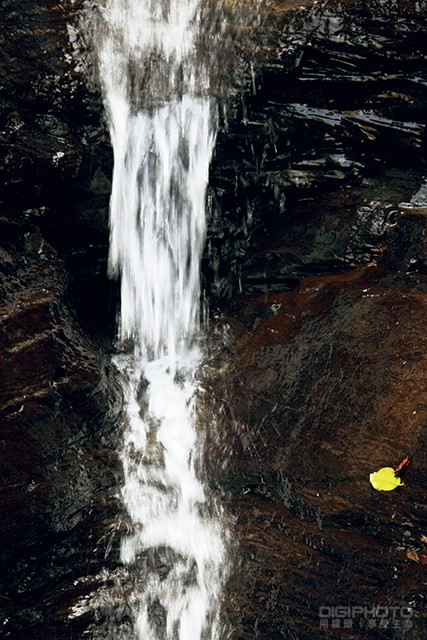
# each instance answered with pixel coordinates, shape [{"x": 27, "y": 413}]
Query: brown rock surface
[{"x": 328, "y": 386}]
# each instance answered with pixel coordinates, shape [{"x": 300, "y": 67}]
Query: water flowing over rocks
[{"x": 315, "y": 267}]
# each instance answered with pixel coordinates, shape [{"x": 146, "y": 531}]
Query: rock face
[
  {"x": 59, "y": 475},
  {"x": 57, "y": 467},
  {"x": 324, "y": 363},
  {"x": 337, "y": 104},
  {"x": 55, "y": 156},
  {"x": 318, "y": 271},
  {"x": 327, "y": 388}
]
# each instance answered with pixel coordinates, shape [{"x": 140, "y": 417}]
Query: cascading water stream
[
  {"x": 158, "y": 228},
  {"x": 162, "y": 149}
]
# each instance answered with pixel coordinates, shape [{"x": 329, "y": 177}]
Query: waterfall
[
  {"x": 158, "y": 220},
  {"x": 154, "y": 72},
  {"x": 157, "y": 234}
]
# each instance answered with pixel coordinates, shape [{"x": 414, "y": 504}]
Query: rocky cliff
[{"x": 315, "y": 267}]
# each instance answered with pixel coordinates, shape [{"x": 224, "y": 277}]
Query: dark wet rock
[
  {"x": 338, "y": 230},
  {"x": 54, "y": 148},
  {"x": 341, "y": 96},
  {"x": 58, "y": 465},
  {"x": 325, "y": 385},
  {"x": 323, "y": 364}
]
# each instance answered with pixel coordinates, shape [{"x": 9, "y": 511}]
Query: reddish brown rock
[{"x": 328, "y": 386}]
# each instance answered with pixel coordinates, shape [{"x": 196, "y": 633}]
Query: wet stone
[{"x": 327, "y": 387}]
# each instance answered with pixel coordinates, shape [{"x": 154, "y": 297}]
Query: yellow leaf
[
  {"x": 385, "y": 480},
  {"x": 411, "y": 554}
]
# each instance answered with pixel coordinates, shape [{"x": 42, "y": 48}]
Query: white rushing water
[{"x": 162, "y": 150}]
